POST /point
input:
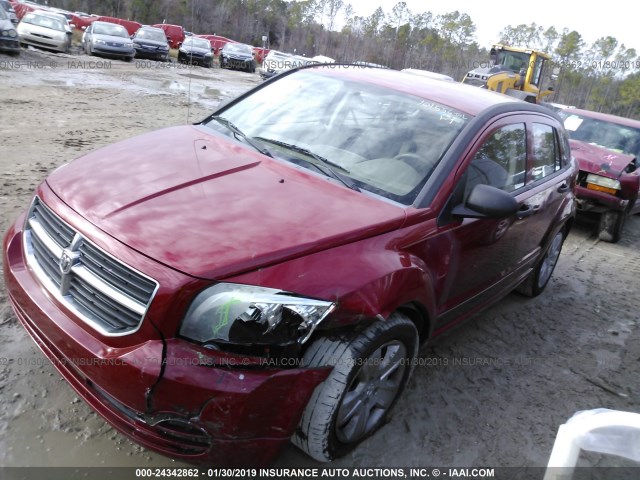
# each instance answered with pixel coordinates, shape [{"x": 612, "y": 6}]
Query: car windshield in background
[
  {"x": 238, "y": 48},
  {"x": 197, "y": 43},
  {"x": 45, "y": 22},
  {"x": 3, "y": 14},
  {"x": 111, "y": 29},
  {"x": 155, "y": 35},
  {"x": 612, "y": 136},
  {"x": 386, "y": 142}
]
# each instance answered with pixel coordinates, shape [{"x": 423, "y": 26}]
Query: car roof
[
  {"x": 462, "y": 97},
  {"x": 278, "y": 53},
  {"x": 46, "y": 13},
  {"x": 149, "y": 27},
  {"x": 107, "y": 23},
  {"x": 427, "y": 73},
  {"x": 606, "y": 117}
]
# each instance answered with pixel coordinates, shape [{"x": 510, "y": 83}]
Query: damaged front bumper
[
  {"x": 171, "y": 396},
  {"x": 594, "y": 201}
]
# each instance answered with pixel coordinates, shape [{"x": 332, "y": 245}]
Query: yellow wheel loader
[{"x": 517, "y": 72}]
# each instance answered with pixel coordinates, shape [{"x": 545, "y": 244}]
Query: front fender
[{"x": 375, "y": 275}]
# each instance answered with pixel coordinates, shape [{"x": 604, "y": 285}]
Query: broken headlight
[
  {"x": 603, "y": 184},
  {"x": 244, "y": 314}
]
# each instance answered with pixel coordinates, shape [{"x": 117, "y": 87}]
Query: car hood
[
  {"x": 195, "y": 50},
  {"x": 30, "y": 27},
  {"x": 595, "y": 159},
  {"x": 111, "y": 38},
  {"x": 238, "y": 56},
  {"x": 152, "y": 43},
  {"x": 211, "y": 207},
  {"x": 6, "y": 25}
]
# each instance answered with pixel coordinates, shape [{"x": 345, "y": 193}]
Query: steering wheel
[{"x": 413, "y": 160}]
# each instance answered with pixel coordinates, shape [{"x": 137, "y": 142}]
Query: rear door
[{"x": 490, "y": 256}]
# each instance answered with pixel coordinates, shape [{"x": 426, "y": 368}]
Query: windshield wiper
[
  {"x": 323, "y": 164},
  {"x": 239, "y": 133}
]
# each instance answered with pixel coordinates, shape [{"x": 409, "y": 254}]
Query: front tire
[
  {"x": 370, "y": 370},
  {"x": 611, "y": 225},
  {"x": 538, "y": 279}
]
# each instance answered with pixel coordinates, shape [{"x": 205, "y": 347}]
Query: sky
[{"x": 616, "y": 18}]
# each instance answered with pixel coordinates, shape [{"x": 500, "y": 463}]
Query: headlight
[
  {"x": 128, "y": 45},
  {"x": 605, "y": 184},
  {"x": 244, "y": 314},
  {"x": 208, "y": 54},
  {"x": 100, "y": 42},
  {"x": 13, "y": 33}
]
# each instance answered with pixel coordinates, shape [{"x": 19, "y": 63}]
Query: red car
[
  {"x": 217, "y": 42},
  {"x": 217, "y": 290},
  {"x": 607, "y": 148},
  {"x": 131, "y": 26},
  {"x": 175, "y": 34}
]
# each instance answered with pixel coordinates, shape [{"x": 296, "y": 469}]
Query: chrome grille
[{"x": 108, "y": 295}]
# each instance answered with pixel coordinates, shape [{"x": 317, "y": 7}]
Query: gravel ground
[{"x": 491, "y": 393}]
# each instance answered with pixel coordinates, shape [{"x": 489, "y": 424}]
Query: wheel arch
[{"x": 418, "y": 314}]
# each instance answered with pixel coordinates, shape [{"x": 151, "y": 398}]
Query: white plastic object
[{"x": 599, "y": 430}]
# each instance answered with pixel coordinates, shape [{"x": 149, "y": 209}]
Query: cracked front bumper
[{"x": 190, "y": 403}]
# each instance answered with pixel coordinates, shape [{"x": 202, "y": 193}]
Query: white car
[
  {"x": 46, "y": 30},
  {"x": 277, "y": 62}
]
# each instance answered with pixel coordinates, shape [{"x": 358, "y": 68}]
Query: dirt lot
[{"x": 492, "y": 393}]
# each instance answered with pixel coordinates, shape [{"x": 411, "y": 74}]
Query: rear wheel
[
  {"x": 611, "y": 225},
  {"x": 541, "y": 274},
  {"x": 369, "y": 372}
]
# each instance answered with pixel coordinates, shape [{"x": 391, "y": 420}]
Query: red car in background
[
  {"x": 259, "y": 54},
  {"x": 131, "y": 26},
  {"x": 82, "y": 22},
  {"x": 175, "y": 34},
  {"x": 607, "y": 148},
  {"x": 23, "y": 8},
  {"x": 269, "y": 274},
  {"x": 217, "y": 42}
]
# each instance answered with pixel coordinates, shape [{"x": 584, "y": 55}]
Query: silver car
[
  {"x": 11, "y": 13},
  {"x": 8, "y": 36},
  {"x": 109, "y": 39},
  {"x": 46, "y": 30}
]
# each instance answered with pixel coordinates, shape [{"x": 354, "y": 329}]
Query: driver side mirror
[{"x": 486, "y": 201}]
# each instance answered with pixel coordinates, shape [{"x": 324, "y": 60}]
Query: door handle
[
  {"x": 564, "y": 188},
  {"x": 526, "y": 211}
]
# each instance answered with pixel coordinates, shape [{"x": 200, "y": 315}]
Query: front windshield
[
  {"x": 387, "y": 142},
  {"x": 155, "y": 35},
  {"x": 514, "y": 61},
  {"x": 45, "y": 22},
  {"x": 197, "y": 43},
  {"x": 238, "y": 48},
  {"x": 612, "y": 136},
  {"x": 111, "y": 29},
  {"x": 3, "y": 15}
]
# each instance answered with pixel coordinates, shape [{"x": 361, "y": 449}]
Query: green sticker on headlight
[{"x": 223, "y": 321}]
